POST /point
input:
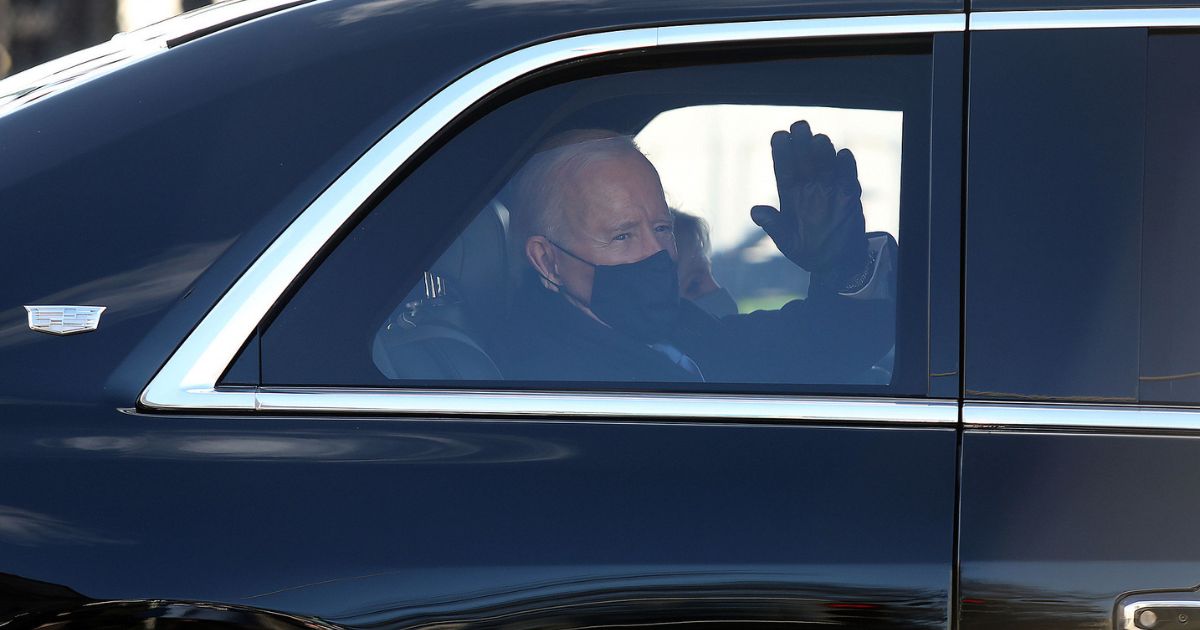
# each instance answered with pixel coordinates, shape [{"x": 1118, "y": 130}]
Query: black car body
[{"x": 206, "y": 455}]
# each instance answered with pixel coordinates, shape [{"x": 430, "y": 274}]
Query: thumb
[
  {"x": 765, "y": 217},
  {"x": 776, "y": 225}
]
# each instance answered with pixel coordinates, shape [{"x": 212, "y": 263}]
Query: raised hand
[{"x": 819, "y": 224}]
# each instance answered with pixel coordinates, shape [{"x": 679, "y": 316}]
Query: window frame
[{"x": 189, "y": 380}]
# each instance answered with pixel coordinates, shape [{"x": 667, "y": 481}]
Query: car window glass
[
  {"x": 718, "y": 174},
  {"x": 1081, "y": 228},
  {"x": 732, "y": 226},
  {"x": 1054, "y": 186},
  {"x": 1170, "y": 336}
]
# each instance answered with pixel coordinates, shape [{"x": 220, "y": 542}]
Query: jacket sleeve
[{"x": 827, "y": 338}]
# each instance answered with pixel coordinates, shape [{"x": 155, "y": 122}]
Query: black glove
[{"x": 819, "y": 224}]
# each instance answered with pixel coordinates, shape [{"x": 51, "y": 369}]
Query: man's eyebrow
[{"x": 621, "y": 227}]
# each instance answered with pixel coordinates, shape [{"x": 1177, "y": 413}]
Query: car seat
[{"x": 440, "y": 330}]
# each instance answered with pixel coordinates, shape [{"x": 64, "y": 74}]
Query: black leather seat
[{"x": 441, "y": 329}]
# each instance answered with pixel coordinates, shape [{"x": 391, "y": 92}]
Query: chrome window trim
[
  {"x": 1009, "y": 415},
  {"x": 188, "y": 379},
  {"x": 1084, "y": 18},
  {"x": 553, "y": 404},
  {"x": 808, "y": 28}
]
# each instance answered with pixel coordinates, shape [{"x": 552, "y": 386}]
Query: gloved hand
[{"x": 819, "y": 224}]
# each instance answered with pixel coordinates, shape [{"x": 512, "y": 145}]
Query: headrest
[{"x": 476, "y": 263}]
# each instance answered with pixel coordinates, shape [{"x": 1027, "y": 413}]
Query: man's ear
[{"x": 544, "y": 259}]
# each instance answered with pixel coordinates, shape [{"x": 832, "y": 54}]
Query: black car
[{"x": 291, "y": 332}]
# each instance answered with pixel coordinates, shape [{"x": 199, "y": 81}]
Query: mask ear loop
[
  {"x": 570, "y": 253},
  {"x": 563, "y": 287},
  {"x": 557, "y": 284}
]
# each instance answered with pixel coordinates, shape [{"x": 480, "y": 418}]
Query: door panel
[
  {"x": 1076, "y": 492},
  {"x": 366, "y": 521},
  {"x": 491, "y": 521},
  {"x": 1057, "y": 526}
]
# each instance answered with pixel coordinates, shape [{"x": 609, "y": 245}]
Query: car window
[
  {"x": 1082, "y": 216},
  {"x": 1170, "y": 295},
  {"x": 1054, "y": 188},
  {"x": 717, "y": 175},
  {"x": 749, "y": 225}
]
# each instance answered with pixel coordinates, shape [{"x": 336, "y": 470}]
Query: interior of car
[{"x": 438, "y": 322}]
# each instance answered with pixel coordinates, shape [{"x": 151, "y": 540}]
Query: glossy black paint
[
  {"x": 1055, "y": 527},
  {"x": 161, "y": 615},
  {"x": 393, "y": 522},
  {"x": 23, "y": 598},
  {"x": 1078, "y": 208},
  {"x": 1054, "y": 195},
  {"x": 368, "y": 521}
]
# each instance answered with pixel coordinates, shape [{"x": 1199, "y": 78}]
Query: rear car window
[{"x": 604, "y": 232}]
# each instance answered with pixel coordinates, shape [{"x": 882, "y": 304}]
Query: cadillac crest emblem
[{"x": 64, "y": 320}]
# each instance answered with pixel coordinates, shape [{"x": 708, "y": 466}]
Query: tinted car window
[
  {"x": 1054, "y": 213},
  {"x": 440, "y": 285},
  {"x": 1170, "y": 331},
  {"x": 1082, "y": 215}
]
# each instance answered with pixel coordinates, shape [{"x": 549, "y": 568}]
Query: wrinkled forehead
[
  {"x": 622, "y": 185},
  {"x": 617, "y": 179}
]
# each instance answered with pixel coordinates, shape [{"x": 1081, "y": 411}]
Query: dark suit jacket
[{"x": 824, "y": 339}]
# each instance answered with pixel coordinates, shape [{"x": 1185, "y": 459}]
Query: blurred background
[
  {"x": 34, "y": 31},
  {"x": 715, "y": 163}
]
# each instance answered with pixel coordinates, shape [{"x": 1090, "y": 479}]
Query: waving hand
[{"x": 819, "y": 224}]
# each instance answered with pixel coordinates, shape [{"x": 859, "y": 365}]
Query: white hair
[{"x": 539, "y": 189}]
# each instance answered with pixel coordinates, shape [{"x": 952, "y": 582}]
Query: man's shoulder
[
  {"x": 541, "y": 336},
  {"x": 546, "y": 338}
]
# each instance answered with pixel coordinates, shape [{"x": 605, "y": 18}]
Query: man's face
[{"x": 614, "y": 213}]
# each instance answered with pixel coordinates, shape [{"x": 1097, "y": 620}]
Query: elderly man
[{"x": 600, "y": 299}]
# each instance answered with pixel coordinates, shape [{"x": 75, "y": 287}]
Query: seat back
[{"x": 440, "y": 331}]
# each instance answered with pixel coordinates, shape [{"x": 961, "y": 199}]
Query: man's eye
[
  {"x": 663, "y": 228},
  {"x": 621, "y": 237}
]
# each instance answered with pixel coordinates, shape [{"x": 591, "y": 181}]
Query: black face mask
[{"x": 640, "y": 299}]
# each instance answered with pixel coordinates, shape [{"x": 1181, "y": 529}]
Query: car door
[
  {"x": 321, "y": 447},
  {"x": 1080, "y": 342},
  {"x": 687, "y": 503}
]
